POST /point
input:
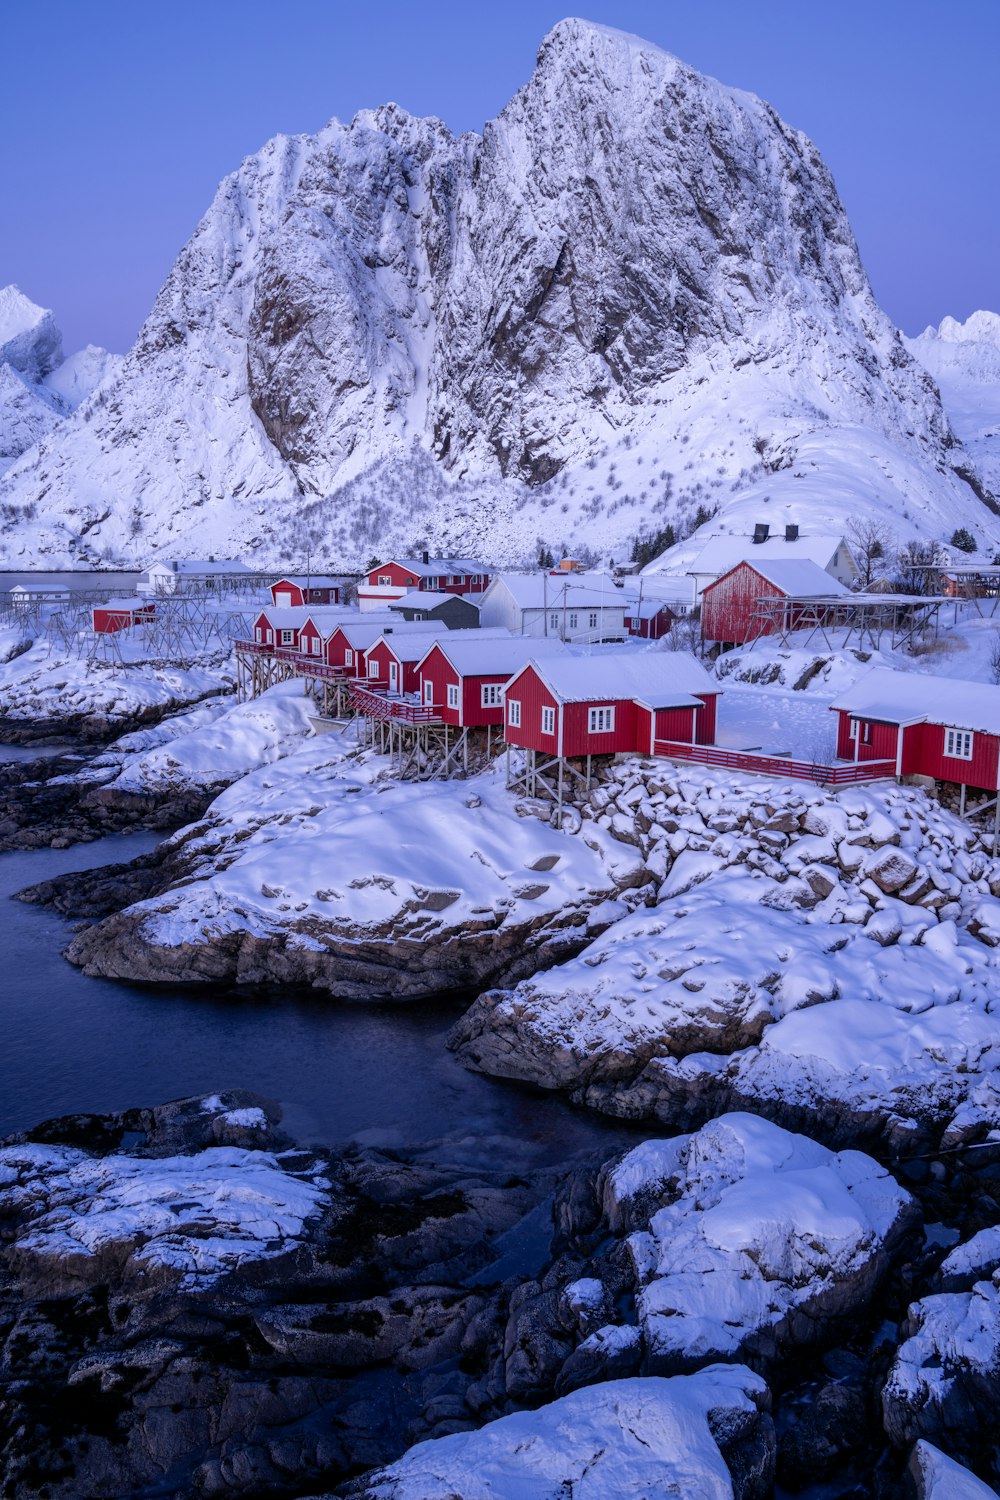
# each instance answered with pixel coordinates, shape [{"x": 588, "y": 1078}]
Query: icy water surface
[{"x": 343, "y": 1072}]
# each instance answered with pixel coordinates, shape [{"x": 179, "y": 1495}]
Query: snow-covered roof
[
  {"x": 124, "y": 603},
  {"x": 668, "y": 588},
  {"x": 425, "y": 599},
  {"x": 646, "y": 609},
  {"x": 543, "y": 591},
  {"x": 364, "y": 633},
  {"x": 487, "y": 655},
  {"x": 313, "y": 581},
  {"x": 435, "y": 566},
  {"x": 912, "y": 697},
  {"x": 659, "y": 679},
  {"x": 39, "y": 588},
  {"x": 414, "y": 644},
  {"x": 721, "y": 553},
  {"x": 799, "y": 578}
]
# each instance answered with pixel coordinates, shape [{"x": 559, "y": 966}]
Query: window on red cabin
[
  {"x": 514, "y": 712},
  {"x": 259, "y": 634},
  {"x": 548, "y": 720},
  {"x": 958, "y": 744},
  {"x": 287, "y": 637},
  {"x": 491, "y": 695},
  {"x": 384, "y": 578},
  {"x": 428, "y": 692},
  {"x": 861, "y": 730},
  {"x": 600, "y": 720},
  {"x": 373, "y": 669},
  {"x": 315, "y": 645},
  {"x": 270, "y": 635},
  {"x": 453, "y": 695},
  {"x": 349, "y": 657}
]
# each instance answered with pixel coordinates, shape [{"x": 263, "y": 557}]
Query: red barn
[
  {"x": 940, "y": 727},
  {"x": 606, "y": 705},
  {"x": 443, "y": 575},
  {"x": 296, "y": 592},
  {"x": 119, "y": 614},
  {"x": 729, "y": 605},
  {"x": 464, "y": 679}
]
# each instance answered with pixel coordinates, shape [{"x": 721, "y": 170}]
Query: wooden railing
[
  {"x": 382, "y": 705},
  {"x": 777, "y": 765}
]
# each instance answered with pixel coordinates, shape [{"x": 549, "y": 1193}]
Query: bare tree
[
  {"x": 916, "y": 562},
  {"x": 870, "y": 542}
]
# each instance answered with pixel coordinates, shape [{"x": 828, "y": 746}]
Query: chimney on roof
[
  {"x": 760, "y": 532},
  {"x": 425, "y": 557},
  {"x": 791, "y": 533}
]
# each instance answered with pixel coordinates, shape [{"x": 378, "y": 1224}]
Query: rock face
[
  {"x": 38, "y": 387},
  {"x": 937, "y": 1477},
  {"x": 624, "y": 1441},
  {"x": 432, "y": 328}
]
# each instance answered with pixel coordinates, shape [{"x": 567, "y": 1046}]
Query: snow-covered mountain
[
  {"x": 964, "y": 359},
  {"x": 38, "y": 387},
  {"x": 635, "y": 294}
]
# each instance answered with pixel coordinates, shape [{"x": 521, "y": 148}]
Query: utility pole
[{"x": 545, "y": 601}]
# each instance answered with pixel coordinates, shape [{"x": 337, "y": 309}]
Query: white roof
[
  {"x": 913, "y": 697},
  {"x": 436, "y": 565},
  {"x": 668, "y": 588},
  {"x": 39, "y": 588},
  {"x": 485, "y": 655},
  {"x": 125, "y": 604},
  {"x": 657, "y": 679},
  {"x": 646, "y": 608},
  {"x": 427, "y": 599},
  {"x": 314, "y": 581},
  {"x": 799, "y": 578},
  {"x": 543, "y": 591},
  {"x": 414, "y": 644},
  {"x": 721, "y": 553},
  {"x": 365, "y": 632}
]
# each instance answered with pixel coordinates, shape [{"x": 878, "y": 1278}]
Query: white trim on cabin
[
  {"x": 958, "y": 744},
  {"x": 601, "y": 720}
]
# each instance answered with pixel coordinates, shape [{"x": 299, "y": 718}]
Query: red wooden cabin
[
  {"x": 119, "y": 614},
  {"x": 394, "y": 659},
  {"x": 296, "y": 592},
  {"x": 729, "y": 605},
  {"x": 443, "y": 575},
  {"x": 463, "y": 680},
  {"x": 278, "y": 627},
  {"x": 607, "y": 705},
  {"x": 940, "y": 727},
  {"x": 318, "y": 627},
  {"x": 649, "y": 619},
  {"x": 350, "y": 642}
]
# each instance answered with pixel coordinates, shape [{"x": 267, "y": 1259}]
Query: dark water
[
  {"x": 71, "y": 579},
  {"x": 380, "y": 1075}
]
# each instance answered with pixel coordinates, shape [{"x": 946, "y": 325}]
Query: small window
[
  {"x": 287, "y": 637},
  {"x": 600, "y": 720},
  {"x": 384, "y": 578},
  {"x": 592, "y": 619},
  {"x": 958, "y": 744},
  {"x": 548, "y": 720},
  {"x": 861, "y": 730},
  {"x": 573, "y": 621},
  {"x": 349, "y": 657},
  {"x": 315, "y": 645},
  {"x": 428, "y": 691},
  {"x": 514, "y": 712},
  {"x": 453, "y": 695},
  {"x": 553, "y": 622},
  {"x": 491, "y": 695},
  {"x": 270, "y": 635},
  {"x": 373, "y": 668},
  {"x": 260, "y": 634}
]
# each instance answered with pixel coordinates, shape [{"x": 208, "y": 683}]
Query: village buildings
[
  {"x": 731, "y": 606},
  {"x": 724, "y": 552},
  {"x": 567, "y": 607},
  {"x": 389, "y": 581}
]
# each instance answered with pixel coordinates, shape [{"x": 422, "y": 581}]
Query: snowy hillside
[
  {"x": 635, "y": 294},
  {"x": 38, "y": 387},
  {"x": 964, "y": 359}
]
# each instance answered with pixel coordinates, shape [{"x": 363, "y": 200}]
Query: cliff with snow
[{"x": 636, "y": 293}]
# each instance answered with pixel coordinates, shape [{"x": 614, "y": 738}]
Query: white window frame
[
  {"x": 373, "y": 668},
  {"x": 287, "y": 637},
  {"x": 315, "y": 645},
  {"x": 573, "y": 620},
  {"x": 453, "y": 695},
  {"x": 428, "y": 692},
  {"x": 393, "y": 676},
  {"x": 270, "y": 635},
  {"x": 593, "y": 619},
  {"x": 385, "y": 580},
  {"x": 553, "y": 622},
  {"x": 514, "y": 712},
  {"x": 259, "y": 633},
  {"x": 349, "y": 657},
  {"x": 959, "y": 744},
  {"x": 601, "y": 720},
  {"x": 548, "y": 719},
  {"x": 860, "y": 731},
  {"x": 491, "y": 695}
]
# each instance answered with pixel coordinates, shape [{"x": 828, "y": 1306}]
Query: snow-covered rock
[
  {"x": 935, "y": 1476},
  {"x": 626, "y": 1440},
  {"x": 747, "y": 1239},
  {"x": 80, "y": 1220},
  {"x": 636, "y": 281},
  {"x": 316, "y": 870},
  {"x": 945, "y": 1378}
]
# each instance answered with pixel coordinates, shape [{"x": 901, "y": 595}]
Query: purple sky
[{"x": 120, "y": 118}]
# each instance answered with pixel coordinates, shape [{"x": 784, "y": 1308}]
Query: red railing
[
  {"x": 777, "y": 765},
  {"x": 380, "y": 705}
]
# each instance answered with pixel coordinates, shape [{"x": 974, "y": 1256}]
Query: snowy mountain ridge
[
  {"x": 634, "y": 295},
  {"x": 964, "y": 360},
  {"x": 38, "y": 386}
]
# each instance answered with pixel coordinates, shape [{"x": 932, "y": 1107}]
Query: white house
[
  {"x": 176, "y": 577},
  {"x": 722, "y": 553},
  {"x": 565, "y": 607}
]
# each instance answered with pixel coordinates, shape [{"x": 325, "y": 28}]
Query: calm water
[
  {"x": 342, "y": 1072},
  {"x": 76, "y": 579}
]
